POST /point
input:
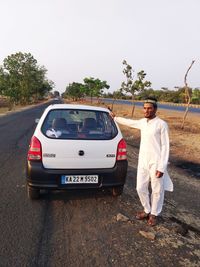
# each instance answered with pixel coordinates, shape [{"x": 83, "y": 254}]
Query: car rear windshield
[{"x": 79, "y": 124}]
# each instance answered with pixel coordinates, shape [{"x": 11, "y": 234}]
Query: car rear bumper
[{"x": 39, "y": 177}]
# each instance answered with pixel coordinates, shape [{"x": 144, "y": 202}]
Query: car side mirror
[{"x": 37, "y": 120}]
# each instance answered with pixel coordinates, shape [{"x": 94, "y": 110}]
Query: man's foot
[
  {"x": 152, "y": 221},
  {"x": 141, "y": 215}
]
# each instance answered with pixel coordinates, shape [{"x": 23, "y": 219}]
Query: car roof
[{"x": 76, "y": 106}]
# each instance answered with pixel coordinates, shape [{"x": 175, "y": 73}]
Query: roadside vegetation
[
  {"x": 134, "y": 87},
  {"x": 76, "y": 92},
  {"x": 22, "y": 80},
  {"x": 90, "y": 87}
]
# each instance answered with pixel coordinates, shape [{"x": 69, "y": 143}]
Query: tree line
[
  {"x": 134, "y": 87},
  {"x": 91, "y": 87},
  {"x": 22, "y": 80},
  {"x": 163, "y": 95},
  {"x": 139, "y": 89}
]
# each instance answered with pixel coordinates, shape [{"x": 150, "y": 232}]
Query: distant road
[{"x": 176, "y": 107}]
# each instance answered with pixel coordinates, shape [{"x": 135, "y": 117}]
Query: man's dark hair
[{"x": 151, "y": 100}]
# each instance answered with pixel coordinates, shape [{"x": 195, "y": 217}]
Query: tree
[
  {"x": 94, "y": 87},
  {"x": 134, "y": 86},
  {"x": 21, "y": 79},
  {"x": 3, "y": 80},
  {"x": 146, "y": 93},
  {"x": 75, "y": 90},
  {"x": 43, "y": 89},
  {"x": 40, "y": 85},
  {"x": 196, "y": 96}
]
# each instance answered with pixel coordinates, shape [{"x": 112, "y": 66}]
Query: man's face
[{"x": 149, "y": 111}]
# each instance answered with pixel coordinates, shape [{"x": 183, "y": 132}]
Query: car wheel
[
  {"x": 117, "y": 190},
  {"x": 33, "y": 193}
]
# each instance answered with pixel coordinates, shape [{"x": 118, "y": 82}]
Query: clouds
[{"x": 75, "y": 39}]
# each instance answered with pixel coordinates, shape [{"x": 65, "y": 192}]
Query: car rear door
[{"x": 79, "y": 154}]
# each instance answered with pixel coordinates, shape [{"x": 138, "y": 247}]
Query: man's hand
[
  {"x": 159, "y": 174},
  {"x": 112, "y": 114}
]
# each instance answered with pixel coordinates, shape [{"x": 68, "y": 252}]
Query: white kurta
[{"x": 153, "y": 156}]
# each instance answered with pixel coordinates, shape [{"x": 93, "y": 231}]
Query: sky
[{"x": 75, "y": 39}]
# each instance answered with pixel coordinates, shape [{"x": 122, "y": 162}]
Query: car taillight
[
  {"x": 35, "y": 150},
  {"x": 121, "y": 150}
]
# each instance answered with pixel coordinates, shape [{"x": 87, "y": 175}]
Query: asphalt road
[
  {"x": 20, "y": 220},
  {"x": 79, "y": 228}
]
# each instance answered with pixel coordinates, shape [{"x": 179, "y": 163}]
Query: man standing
[{"x": 153, "y": 160}]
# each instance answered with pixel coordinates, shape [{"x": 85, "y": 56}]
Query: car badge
[
  {"x": 49, "y": 155},
  {"x": 110, "y": 155}
]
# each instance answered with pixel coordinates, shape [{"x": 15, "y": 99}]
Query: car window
[{"x": 79, "y": 124}]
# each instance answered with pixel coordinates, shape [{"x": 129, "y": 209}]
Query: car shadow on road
[{"x": 74, "y": 194}]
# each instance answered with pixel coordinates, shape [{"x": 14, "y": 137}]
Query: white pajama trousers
[{"x": 154, "y": 203}]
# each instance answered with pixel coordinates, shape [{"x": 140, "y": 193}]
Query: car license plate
[{"x": 79, "y": 179}]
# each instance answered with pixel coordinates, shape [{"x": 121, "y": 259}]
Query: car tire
[
  {"x": 117, "y": 190},
  {"x": 33, "y": 193}
]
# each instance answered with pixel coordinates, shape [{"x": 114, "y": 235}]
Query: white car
[{"x": 76, "y": 147}]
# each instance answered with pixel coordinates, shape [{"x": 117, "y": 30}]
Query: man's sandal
[
  {"x": 141, "y": 215},
  {"x": 152, "y": 221}
]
